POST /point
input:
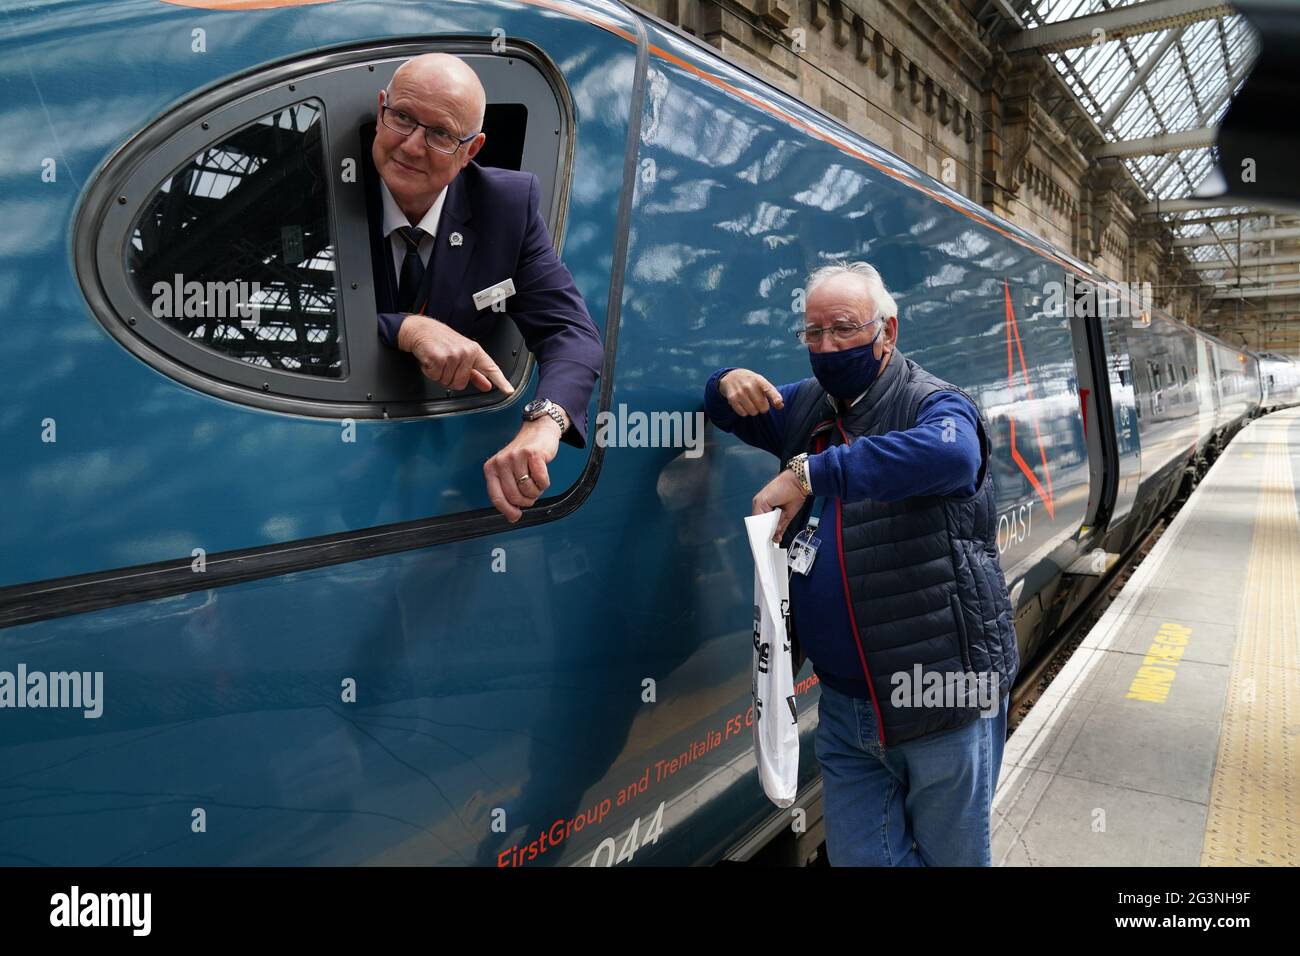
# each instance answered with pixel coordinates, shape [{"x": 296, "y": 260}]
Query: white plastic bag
[{"x": 776, "y": 721}]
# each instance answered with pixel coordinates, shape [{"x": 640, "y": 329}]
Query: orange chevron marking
[{"x": 1014, "y": 332}]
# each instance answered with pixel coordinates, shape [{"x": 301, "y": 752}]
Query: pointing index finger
[{"x": 487, "y": 369}]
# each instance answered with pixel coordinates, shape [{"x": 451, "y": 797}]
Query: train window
[
  {"x": 233, "y": 251},
  {"x": 231, "y": 244}
]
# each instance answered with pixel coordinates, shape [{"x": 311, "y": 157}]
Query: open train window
[
  {"x": 233, "y": 252},
  {"x": 231, "y": 239}
]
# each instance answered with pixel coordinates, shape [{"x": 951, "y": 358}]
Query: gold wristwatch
[{"x": 799, "y": 465}]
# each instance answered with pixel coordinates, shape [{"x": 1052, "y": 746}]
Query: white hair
[{"x": 876, "y": 291}]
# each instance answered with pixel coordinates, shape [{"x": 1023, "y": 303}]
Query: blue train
[{"x": 255, "y": 607}]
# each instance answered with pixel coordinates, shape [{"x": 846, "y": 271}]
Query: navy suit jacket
[{"x": 503, "y": 236}]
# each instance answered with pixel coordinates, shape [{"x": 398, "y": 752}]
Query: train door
[
  {"x": 1216, "y": 380},
  {"x": 1095, "y": 440},
  {"x": 1123, "y": 410},
  {"x": 1207, "y": 400}
]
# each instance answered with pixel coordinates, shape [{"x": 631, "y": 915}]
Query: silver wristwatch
[
  {"x": 799, "y": 465},
  {"x": 544, "y": 406}
]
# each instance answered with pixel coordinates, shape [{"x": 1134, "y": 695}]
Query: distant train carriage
[
  {"x": 1280, "y": 380},
  {"x": 265, "y": 545}
]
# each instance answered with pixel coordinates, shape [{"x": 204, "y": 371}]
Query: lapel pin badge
[{"x": 456, "y": 239}]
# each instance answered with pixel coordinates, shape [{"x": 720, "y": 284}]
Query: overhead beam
[
  {"x": 1010, "y": 13},
  {"x": 1226, "y": 217},
  {"x": 1261, "y": 235},
  {"x": 1277, "y": 309},
  {"x": 1281, "y": 319},
  {"x": 1251, "y": 263},
  {"x": 1155, "y": 145},
  {"x": 1140, "y": 77},
  {"x": 1277, "y": 293},
  {"x": 1259, "y": 280},
  {"x": 1226, "y": 202},
  {"x": 1116, "y": 23},
  {"x": 1223, "y": 46},
  {"x": 1191, "y": 86}
]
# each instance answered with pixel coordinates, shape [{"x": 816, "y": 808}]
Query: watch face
[{"x": 535, "y": 406}]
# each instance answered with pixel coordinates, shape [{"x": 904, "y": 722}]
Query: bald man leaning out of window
[{"x": 451, "y": 229}]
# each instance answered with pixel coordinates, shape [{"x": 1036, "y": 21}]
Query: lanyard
[
  {"x": 815, "y": 519},
  {"x": 818, "y": 503}
]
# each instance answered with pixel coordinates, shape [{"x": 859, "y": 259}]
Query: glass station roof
[{"x": 1173, "y": 80}]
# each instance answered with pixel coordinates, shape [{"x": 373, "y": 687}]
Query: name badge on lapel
[{"x": 494, "y": 294}]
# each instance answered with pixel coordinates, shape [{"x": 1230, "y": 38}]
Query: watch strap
[
  {"x": 558, "y": 414},
  {"x": 799, "y": 465}
]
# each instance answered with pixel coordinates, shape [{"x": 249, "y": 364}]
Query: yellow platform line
[{"x": 1254, "y": 815}]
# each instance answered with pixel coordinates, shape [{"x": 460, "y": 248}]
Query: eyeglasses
[
  {"x": 435, "y": 137},
  {"x": 841, "y": 330}
]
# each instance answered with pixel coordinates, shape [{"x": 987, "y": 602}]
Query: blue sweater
[{"x": 901, "y": 464}]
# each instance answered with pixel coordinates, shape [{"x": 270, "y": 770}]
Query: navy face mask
[{"x": 848, "y": 372}]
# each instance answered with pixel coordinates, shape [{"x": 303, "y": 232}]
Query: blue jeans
[{"x": 925, "y": 802}]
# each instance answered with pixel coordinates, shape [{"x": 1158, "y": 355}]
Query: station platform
[{"x": 1172, "y": 736}]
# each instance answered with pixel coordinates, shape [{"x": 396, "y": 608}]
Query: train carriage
[{"x": 318, "y": 642}]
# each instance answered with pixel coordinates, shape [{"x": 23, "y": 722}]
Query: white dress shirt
[{"x": 394, "y": 219}]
